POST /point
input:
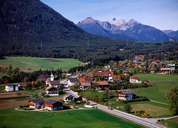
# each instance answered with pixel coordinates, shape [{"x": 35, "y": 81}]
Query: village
[{"x": 111, "y": 85}]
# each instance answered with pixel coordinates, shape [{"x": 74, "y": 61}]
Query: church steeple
[{"x": 52, "y": 77}]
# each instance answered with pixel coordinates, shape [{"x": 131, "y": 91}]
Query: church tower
[{"x": 52, "y": 77}]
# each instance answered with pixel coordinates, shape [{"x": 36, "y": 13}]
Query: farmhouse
[
  {"x": 154, "y": 66},
  {"x": 135, "y": 80},
  {"x": 52, "y": 91},
  {"x": 168, "y": 69},
  {"x": 53, "y": 105},
  {"x": 36, "y": 104},
  {"x": 73, "y": 98},
  {"x": 139, "y": 59},
  {"x": 85, "y": 82},
  {"x": 104, "y": 75},
  {"x": 101, "y": 84},
  {"x": 125, "y": 95},
  {"x": 72, "y": 81},
  {"x": 64, "y": 85},
  {"x": 12, "y": 87},
  {"x": 117, "y": 78}
]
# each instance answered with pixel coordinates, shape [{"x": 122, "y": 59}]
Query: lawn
[
  {"x": 67, "y": 119},
  {"x": 36, "y": 63},
  {"x": 93, "y": 95},
  {"x": 160, "y": 89},
  {"x": 154, "y": 110},
  {"x": 171, "y": 123}
]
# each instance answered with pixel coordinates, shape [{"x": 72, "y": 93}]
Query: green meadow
[
  {"x": 35, "y": 63},
  {"x": 161, "y": 85},
  {"x": 67, "y": 119},
  {"x": 171, "y": 123},
  {"x": 158, "y": 106}
]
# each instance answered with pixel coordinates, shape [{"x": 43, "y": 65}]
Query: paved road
[
  {"x": 142, "y": 121},
  {"x": 163, "y": 118},
  {"x": 138, "y": 120}
]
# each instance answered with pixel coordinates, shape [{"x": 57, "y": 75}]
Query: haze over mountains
[{"x": 122, "y": 30}]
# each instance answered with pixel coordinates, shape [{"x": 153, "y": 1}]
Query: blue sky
[{"x": 162, "y": 14}]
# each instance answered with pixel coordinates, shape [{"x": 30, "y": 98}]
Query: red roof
[
  {"x": 85, "y": 80},
  {"x": 103, "y": 73},
  {"x": 135, "y": 78},
  {"x": 102, "y": 83}
]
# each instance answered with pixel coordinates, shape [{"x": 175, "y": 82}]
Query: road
[
  {"x": 149, "y": 123},
  {"x": 163, "y": 118},
  {"x": 138, "y": 120}
]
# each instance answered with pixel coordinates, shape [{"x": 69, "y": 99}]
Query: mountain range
[
  {"x": 31, "y": 28},
  {"x": 128, "y": 31}
]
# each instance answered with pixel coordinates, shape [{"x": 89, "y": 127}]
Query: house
[
  {"x": 55, "y": 83},
  {"x": 64, "y": 85},
  {"x": 154, "y": 66},
  {"x": 104, "y": 75},
  {"x": 85, "y": 82},
  {"x": 125, "y": 95},
  {"x": 52, "y": 91},
  {"x": 36, "y": 104},
  {"x": 168, "y": 69},
  {"x": 72, "y": 81},
  {"x": 70, "y": 98},
  {"x": 53, "y": 105},
  {"x": 101, "y": 84},
  {"x": 139, "y": 59},
  {"x": 117, "y": 78},
  {"x": 73, "y": 98},
  {"x": 135, "y": 80},
  {"x": 12, "y": 87}
]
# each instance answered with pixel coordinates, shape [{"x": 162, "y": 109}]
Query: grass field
[
  {"x": 160, "y": 89},
  {"x": 35, "y": 63},
  {"x": 171, "y": 123},
  {"x": 67, "y": 119},
  {"x": 154, "y": 110}
]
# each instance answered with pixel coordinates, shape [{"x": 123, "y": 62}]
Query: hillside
[
  {"x": 172, "y": 34},
  {"x": 32, "y": 28}
]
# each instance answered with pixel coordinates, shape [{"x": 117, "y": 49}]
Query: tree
[{"x": 173, "y": 98}]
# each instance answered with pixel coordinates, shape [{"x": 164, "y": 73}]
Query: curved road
[{"x": 138, "y": 120}]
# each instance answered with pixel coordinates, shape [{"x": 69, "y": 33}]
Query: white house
[
  {"x": 135, "y": 80},
  {"x": 52, "y": 91},
  {"x": 125, "y": 95},
  {"x": 13, "y": 87}
]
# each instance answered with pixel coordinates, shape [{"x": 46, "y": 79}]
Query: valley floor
[{"x": 29, "y": 64}]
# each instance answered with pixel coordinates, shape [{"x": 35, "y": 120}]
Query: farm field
[
  {"x": 29, "y": 64},
  {"x": 154, "y": 110},
  {"x": 67, "y": 119},
  {"x": 162, "y": 84},
  {"x": 171, "y": 123}
]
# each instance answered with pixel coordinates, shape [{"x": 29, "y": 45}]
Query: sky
[{"x": 162, "y": 14}]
